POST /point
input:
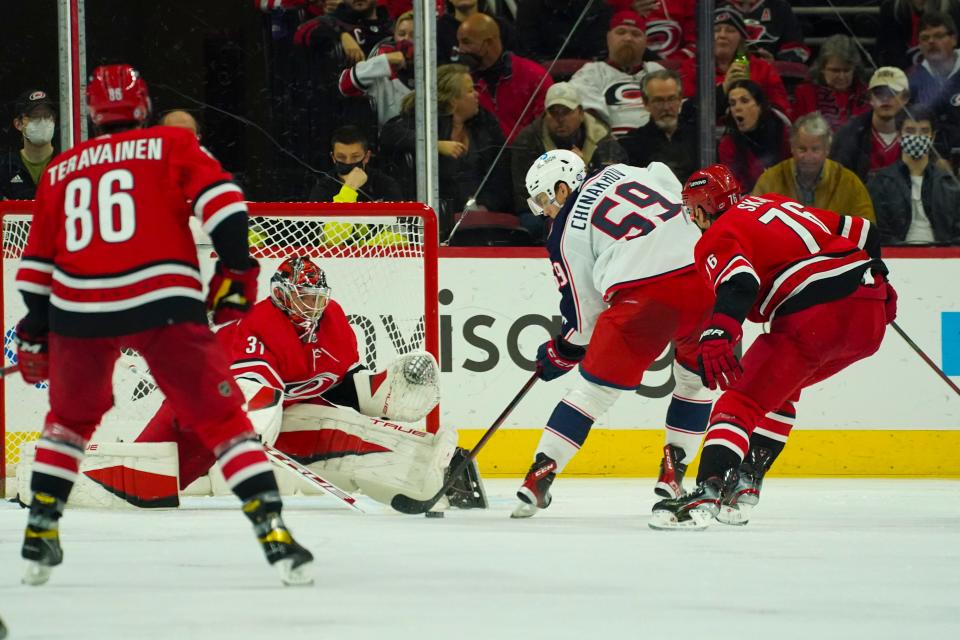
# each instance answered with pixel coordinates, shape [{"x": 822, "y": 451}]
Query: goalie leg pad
[
  {"x": 377, "y": 457},
  {"x": 116, "y": 475}
]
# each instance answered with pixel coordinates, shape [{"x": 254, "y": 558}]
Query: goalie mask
[{"x": 299, "y": 288}]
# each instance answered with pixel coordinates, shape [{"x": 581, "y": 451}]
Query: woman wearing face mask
[
  {"x": 757, "y": 137},
  {"x": 916, "y": 201},
  {"x": 468, "y": 140},
  {"x": 35, "y": 120}
]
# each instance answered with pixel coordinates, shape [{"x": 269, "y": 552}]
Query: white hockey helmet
[{"x": 559, "y": 165}]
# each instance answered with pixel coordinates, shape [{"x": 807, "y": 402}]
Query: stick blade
[{"x": 409, "y": 506}]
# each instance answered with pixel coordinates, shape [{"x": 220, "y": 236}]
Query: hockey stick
[
  {"x": 278, "y": 457},
  {"x": 305, "y": 472},
  {"x": 925, "y": 358},
  {"x": 406, "y": 504},
  {"x": 8, "y": 370}
]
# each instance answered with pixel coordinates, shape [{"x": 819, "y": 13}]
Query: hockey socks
[
  {"x": 566, "y": 431},
  {"x": 686, "y": 423},
  {"x": 246, "y": 468}
]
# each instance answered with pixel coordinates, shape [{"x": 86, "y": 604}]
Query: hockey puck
[{"x": 434, "y": 514}]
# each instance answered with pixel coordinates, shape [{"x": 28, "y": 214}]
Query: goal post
[{"x": 380, "y": 260}]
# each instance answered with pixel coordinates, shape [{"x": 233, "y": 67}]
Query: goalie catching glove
[{"x": 407, "y": 390}]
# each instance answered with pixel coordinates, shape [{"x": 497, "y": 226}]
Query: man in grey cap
[
  {"x": 871, "y": 141},
  {"x": 563, "y": 125},
  {"x": 35, "y": 118}
]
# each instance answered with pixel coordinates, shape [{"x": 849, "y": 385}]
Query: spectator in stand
[
  {"x": 916, "y": 201},
  {"x": 730, "y": 45},
  {"x": 935, "y": 83},
  {"x": 671, "y": 27},
  {"x": 181, "y": 118},
  {"x": 774, "y": 31},
  {"x": 469, "y": 140},
  {"x": 563, "y": 125},
  {"x": 611, "y": 88},
  {"x": 757, "y": 137},
  {"x": 357, "y": 182},
  {"x": 871, "y": 140},
  {"x": 387, "y": 75},
  {"x": 898, "y": 33},
  {"x": 507, "y": 84},
  {"x": 670, "y": 136},
  {"x": 35, "y": 118},
  {"x": 543, "y": 25},
  {"x": 810, "y": 178},
  {"x": 839, "y": 90},
  {"x": 356, "y": 26},
  {"x": 396, "y": 8},
  {"x": 449, "y": 22}
]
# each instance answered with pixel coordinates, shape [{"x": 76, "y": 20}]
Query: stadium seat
[
  {"x": 564, "y": 68},
  {"x": 490, "y": 229}
]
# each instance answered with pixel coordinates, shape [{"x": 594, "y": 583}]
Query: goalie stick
[
  {"x": 408, "y": 505},
  {"x": 277, "y": 457},
  {"x": 925, "y": 357}
]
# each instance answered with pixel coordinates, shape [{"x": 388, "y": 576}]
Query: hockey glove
[
  {"x": 33, "y": 355},
  {"x": 719, "y": 366},
  {"x": 890, "y": 304},
  {"x": 556, "y": 357},
  {"x": 232, "y": 292}
]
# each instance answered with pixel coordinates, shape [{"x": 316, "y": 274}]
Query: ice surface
[{"x": 822, "y": 559}]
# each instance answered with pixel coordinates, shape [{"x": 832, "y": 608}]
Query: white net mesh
[{"x": 376, "y": 267}]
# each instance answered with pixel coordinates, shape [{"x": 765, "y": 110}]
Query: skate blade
[
  {"x": 662, "y": 520},
  {"x": 36, "y": 574},
  {"x": 668, "y": 490},
  {"x": 294, "y": 577},
  {"x": 523, "y": 510},
  {"x": 736, "y": 516}
]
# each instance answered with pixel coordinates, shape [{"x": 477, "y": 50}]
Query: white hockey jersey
[
  {"x": 614, "y": 94},
  {"x": 622, "y": 228}
]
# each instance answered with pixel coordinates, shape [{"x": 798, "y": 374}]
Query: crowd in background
[{"x": 871, "y": 132}]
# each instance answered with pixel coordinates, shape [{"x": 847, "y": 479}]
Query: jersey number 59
[
  {"x": 116, "y": 213},
  {"x": 638, "y": 200}
]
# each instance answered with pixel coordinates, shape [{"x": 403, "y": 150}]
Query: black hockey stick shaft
[
  {"x": 8, "y": 370},
  {"x": 406, "y": 504},
  {"x": 925, "y": 358}
]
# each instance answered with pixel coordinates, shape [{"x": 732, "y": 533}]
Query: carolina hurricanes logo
[
  {"x": 625, "y": 93},
  {"x": 955, "y": 100},
  {"x": 757, "y": 32},
  {"x": 663, "y": 37},
  {"x": 313, "y": 387}
]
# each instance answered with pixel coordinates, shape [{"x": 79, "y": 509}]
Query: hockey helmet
[
  {"x": 714, "y": 189},
  {"x": 559, "y": 165},
  {"x": 299, "y": 288},
  {"x": 117, "y": 93}
]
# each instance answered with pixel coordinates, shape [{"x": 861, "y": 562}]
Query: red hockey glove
[
  {"x": 890, "y": 304},
  {"x": 33, "y": 356},
  {"x": 232, "y": 292},
  {"x": 556, "y": 357},
  {"x": 719, "y": 366}
]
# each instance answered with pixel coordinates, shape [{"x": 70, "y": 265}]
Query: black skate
[
  {"x": 41, "y": 540},
  {"x": 670, "y": 481},
  {"x": 282, "y": 551},
  {"x": 467, "y": 491},
  {"x": 692, "y": 511},
  {"x": 742, "y": 487},
  {"x": 534, "y": 493}
]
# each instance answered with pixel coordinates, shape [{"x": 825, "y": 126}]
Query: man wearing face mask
[
  {"x": 35, "y": 119},
  {"x": 916, "y": 201},
  {"x": 356, "y": 182}
]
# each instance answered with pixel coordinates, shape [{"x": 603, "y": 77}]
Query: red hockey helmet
[
  {"x": 714, "y": 189},
  {"x": 299, "y": 288},
  {"x": 117, "y": 93}
]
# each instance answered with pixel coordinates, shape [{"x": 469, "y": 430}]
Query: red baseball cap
[{"x": 628, "y": 17}]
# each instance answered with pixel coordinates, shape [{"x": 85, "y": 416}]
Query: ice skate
[
  {"x": 693, "y": 511},
  {"x": 534, "y": 494},
  {"x": 670, "y": 481},
  {"x": 41, "y": 540},
  {"x": 283, "y": 552},
  {"x": 742, "y": 487}
]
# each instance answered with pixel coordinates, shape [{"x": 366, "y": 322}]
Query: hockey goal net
[{"x": 380, "y": 260}]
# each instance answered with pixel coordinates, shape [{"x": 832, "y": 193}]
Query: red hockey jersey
[
  {"x": 110, "y": 243},
  {"x": 799, "y": 255},
  {"x": 265, "y": 346}
]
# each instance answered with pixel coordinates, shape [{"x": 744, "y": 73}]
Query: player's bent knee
[
  {"x": 590, "y": 397},
  {"x": 689, "y": 385},
  {"x": 734, "y": 406}
]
